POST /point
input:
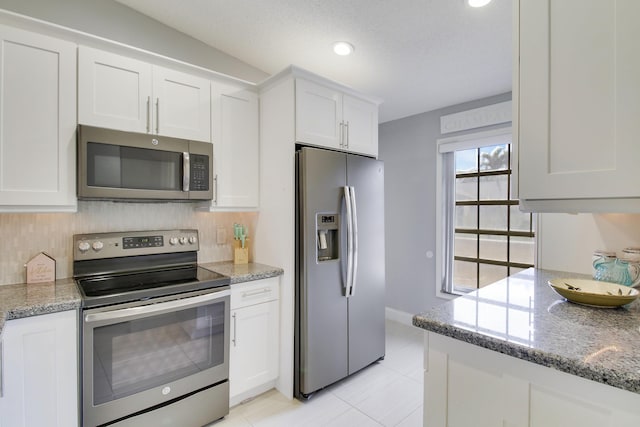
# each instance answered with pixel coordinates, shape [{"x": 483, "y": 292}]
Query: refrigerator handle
[
  {"x": 347, "y": 202},
  {"x": 354, "y": 233}
]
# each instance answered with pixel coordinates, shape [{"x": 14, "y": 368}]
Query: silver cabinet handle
[
  {"x": 235, "y": 323},
  {"x": 215, "y": 189},
  {"x": 159, "y": 308},
  {"x": 347, "y": 134},
  {"x": 347, "y": 201},
  {"x": 257, "y": 292},
  {"x": 354, "y": 233},
  {"x": 341, "y": 134},
  {"x": 157, "y": 115},
  {"x": 148, "y": 114},
  {"x": 186, "y": 171}
]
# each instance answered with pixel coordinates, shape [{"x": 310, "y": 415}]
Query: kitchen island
[{"x": 515, "y": 353}]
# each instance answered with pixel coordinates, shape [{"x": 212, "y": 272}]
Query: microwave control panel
[{"x": 199, "y": 179}]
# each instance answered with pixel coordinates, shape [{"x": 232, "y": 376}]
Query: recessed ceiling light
[
  {"x": 478, "y": 3},
  {"x": 343, "y": 48}
]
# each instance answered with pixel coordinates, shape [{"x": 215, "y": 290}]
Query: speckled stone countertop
[
  {"x": 22, "y": 300},
  {"x": 243, "y": 272},
  {"x": 521, "y": 316}
]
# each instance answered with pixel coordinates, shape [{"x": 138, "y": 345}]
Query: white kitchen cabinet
[
  {"x": 123, "y": 93},
  {"x": 40, "y": 371},
  {"x": 361, "y": 121},
  {"x": 37, "y": 122},
  {"x": 327, "y": 117},
  {"x": 234, "y": 120},
  {"x": 577, "y": 100},
  {"x": 468, "y": 385},
  {"x": 253, "y": 356},
  {"x": 182, "y": 105},
  {"x": 114, "y": 91}
]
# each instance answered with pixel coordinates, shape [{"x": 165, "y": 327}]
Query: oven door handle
[{"x": 159, "y": 308}]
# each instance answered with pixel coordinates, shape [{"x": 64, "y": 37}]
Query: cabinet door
[
  {"x": 37, "y": 122},
  {"x": 579, "y": 99},
  {"x": 113, "y": 91},
  {"x": 361, "y": 120},
  {"x": 253, "y": 357},
  {"x": 318, "y": 115},
  {"x": 40, "y": 371},
  {"x": 235, "y": 146},
  {"x": 181, "y": 105}
]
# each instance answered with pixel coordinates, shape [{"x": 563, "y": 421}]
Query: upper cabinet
[
  {"x": 234, "y": 118},
  {"x": 37, "y": 122},
  {"x": 577, "y": 100},
  {"x": 328, "y": 117},
  {"x": 114, "y": 91},
  {"x": 122, "y": 93}
]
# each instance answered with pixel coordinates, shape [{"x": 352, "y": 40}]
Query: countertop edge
[
  {"x": 63, "y": 295},
  {"x": 563, "y": 357},
  {"x": 563, "y": 364},
  {"x": 241, "y": 273},
  {"x": 21, "y": 300}
]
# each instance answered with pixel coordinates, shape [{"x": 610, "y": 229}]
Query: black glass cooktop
[{"x": 117, "y": 288}]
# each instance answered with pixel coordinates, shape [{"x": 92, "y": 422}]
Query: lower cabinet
[
  {"x": 466, "y": 385},
  {"x": 40, "y": 371},
  {"x": 253, "y": 355}
]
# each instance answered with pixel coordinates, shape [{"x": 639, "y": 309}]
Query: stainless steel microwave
[{"x": 117, "y": 165}]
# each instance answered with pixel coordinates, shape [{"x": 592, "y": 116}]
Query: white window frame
[{"x": 448, "y": 145}]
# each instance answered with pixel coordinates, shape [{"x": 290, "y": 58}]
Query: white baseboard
[
  {"x": 398, "y": 316},
  {"x": 250, "y": 394}
]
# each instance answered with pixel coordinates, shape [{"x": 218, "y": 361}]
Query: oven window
[
  {"x": 136, "y": 168},
  {"x": 137, "y": 355}
]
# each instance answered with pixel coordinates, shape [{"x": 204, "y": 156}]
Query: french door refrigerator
[{"x": 340, "y": 272}]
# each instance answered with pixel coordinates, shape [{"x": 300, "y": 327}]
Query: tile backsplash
[{"x": 26, "y": 235}]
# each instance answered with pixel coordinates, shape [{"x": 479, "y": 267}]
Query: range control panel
[
  {"x": 142, "y": 242},
  {"x": 120, "y": 244}
]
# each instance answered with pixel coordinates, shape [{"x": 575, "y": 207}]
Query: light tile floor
[{"x": 387, "y": 393}]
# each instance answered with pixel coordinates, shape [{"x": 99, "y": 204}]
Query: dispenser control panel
[{"x": 327, "y": 236}]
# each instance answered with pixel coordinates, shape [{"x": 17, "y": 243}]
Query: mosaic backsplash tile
[{"x": 26, "y": 235}]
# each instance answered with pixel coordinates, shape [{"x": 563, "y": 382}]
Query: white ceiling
[{"x": 417, "y": 55}]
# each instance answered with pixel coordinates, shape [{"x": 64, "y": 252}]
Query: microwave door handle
[{"x": 186, "y": 171}]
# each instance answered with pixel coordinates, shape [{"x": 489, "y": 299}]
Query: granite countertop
[
  {"x": 521, "y": 316},
  {"x": 243, "y": 272},
  {"x": 22, "y": 300}
]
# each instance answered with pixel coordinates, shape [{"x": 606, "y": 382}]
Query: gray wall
[
  {"x": 114, "y": 21},
  {"x": 408, "y": 148}
]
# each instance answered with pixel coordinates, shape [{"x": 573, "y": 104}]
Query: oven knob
[
  {"x": 97, "y": 246},
  {"x": 193, "y": 239},
  {"x": 183, "y": 240},
  {"x": 84, "y": 246},
  {"x": 173, "y": 241}
]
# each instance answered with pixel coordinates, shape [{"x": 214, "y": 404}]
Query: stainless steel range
[{"x": 155, "y": 330}]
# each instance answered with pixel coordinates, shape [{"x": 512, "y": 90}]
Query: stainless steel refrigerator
[{"x": 340, "y": 273}]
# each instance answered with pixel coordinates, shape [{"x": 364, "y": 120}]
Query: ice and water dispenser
[{"x": 328, "y": 236}]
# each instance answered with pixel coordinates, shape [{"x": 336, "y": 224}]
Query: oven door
[{"x": 135, "y": 358}]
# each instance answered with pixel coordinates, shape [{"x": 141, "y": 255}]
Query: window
[{"x": 485, "y": 237}]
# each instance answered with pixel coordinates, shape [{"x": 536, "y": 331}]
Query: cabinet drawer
[{"x": 254, "y": 292}]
